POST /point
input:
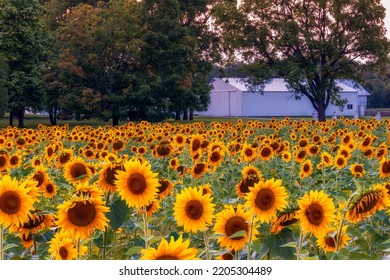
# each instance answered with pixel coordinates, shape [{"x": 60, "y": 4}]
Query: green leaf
[
  {"x": 240, "y": 233},
  {"x": 276, "y": 245},
  {"x": 134, "y": 250},
  {"x": 117, "y": 214},
  {"x": 94, "y": 178},
  {"x": 9, "y": 246},
  {"x": 292, "y": 244}
]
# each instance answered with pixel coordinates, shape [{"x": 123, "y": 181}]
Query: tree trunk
[
  {"x": 191, "y": 114},
  {"x": 11, "y": 118},
  {"x": 53, "y": 116},
  {"x": 177, "y": 115},
  {"x": 21, "y": 118},
  {"x": 115, "y": 118},
  {"x": 321, "y": 113},
  {"x": 185, "y": 115}
]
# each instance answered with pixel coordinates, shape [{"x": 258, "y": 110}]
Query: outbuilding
[{"x": 233, "y": 97}]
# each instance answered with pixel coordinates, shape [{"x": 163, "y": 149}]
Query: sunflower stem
[
  {"x": 145, "y": 218},
  {"x": 299, "y": 247},
  {"x": 250, "y": 237},
  {"x": 1, "y": 242},
  {"x": 206, "y": 244},
  {"x": 90, "y": 249}
]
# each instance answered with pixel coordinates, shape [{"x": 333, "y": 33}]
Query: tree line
[{"x": 152, "y": 60}]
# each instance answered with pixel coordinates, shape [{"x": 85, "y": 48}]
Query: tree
[
  {"x": 23, "y": 41},
  {"x": 309, "y": 43},
  {"x": 3, "y": 89},
  {"x": 378, "y": 85},
  {"x": 99, "y": 48}
]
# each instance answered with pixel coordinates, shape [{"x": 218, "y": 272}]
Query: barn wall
[{"x": 284, "y": 104}]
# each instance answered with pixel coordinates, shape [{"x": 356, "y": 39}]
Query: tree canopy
[
  {"x": 23, "y": 41},
  {"x": 309, "y": 43}
]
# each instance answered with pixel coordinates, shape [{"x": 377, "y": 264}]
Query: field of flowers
[{"x": 281, "y": 189}]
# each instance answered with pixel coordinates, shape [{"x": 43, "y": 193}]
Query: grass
[{"x": 32, "y": 121}]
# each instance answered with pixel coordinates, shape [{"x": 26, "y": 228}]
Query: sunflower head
[
  {"x": 15, "y": 201},
  {"x": 233, "y": 221},
  {"x": 316, "y": 213},
  {"x": 172, "y": 250},
  {"x": 266, "y": 198},
  {"x": 193, "y": 210},
  {"x": 80, "y": 216},
  {"x": 283, "y": 220},
  {"x": 137, "y": 184},
  {"x": 372, "y": 200},
  {"x": 77, "y": 171}
]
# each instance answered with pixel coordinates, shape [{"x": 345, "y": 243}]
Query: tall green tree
[
  {"x": 23, "y": 41},
  {"x": 309, "y": 43},
  {"x": 99, "y": 49},
  {"x": 3, "y": 89},
  {"x": 377, "y": 83}
]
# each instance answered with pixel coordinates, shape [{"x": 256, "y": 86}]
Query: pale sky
[{"x": 386, "y": 4}]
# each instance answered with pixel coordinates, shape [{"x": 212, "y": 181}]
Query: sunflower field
[{"x": 243, "y": 190}]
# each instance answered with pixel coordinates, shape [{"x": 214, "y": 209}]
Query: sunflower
[
  {"x": 357, "y": 170},
  {"x": 63, "y": 247},
  {"x": 15, "y": 202},
  {"x": 195, "y": 144},
  {"x": 227, "y": 256},
  {"x": 193, "y": 210},
  {"x": 174, "y": 163},
  {"x": 118, "y": 145},
  {"x": 49, "y": 152},
  {"x": 215, "y": 157},
  {"x": 40, "y": 176},
  {"x": 340, "y": 162},
  {"x": 49, "y": 189},
  {"x": 248, "y": 153},
  {"x": 33, "y": 223},
  {"x": 283, "y": 220},
  {"x": 243, "y": 187},
  {"x": 233, "y": 220},
  {"x": 174, "y": 250},
  {"x": 137, "y": 184},
  {"x": 179, "y": 140},
  {"x": 316, "y": 212},
  {"x": 15, "y": 160},
  {"x": 329, "y": 240},
  {"x": 251, "y": 171},
  {"x": 108, "y": 175},
  {"x": 64, "y": 157},
  {"x": 375, "y": 199},
  {"x": 306, "y": 169},
  {"x": 300, "y": 155},
  {"x": 199, "y": 169},
  {"x": 266, "y": 153},
  {"x": 266, "y": 198},
  {"x": 4, "y": 161},
  {"x": 163, "y": 150},
  {"x": 164, "y": 188},
  {"x": 27, "y": 239},
  {"x": 384, "y": 168},
  {"x": 81, "y": 215},
  {"x": 326, "y": 159},
  {"x": 286, "y": 156},
  {"x": 151, "y": 208},
  {"x": 77, "y": 171}
]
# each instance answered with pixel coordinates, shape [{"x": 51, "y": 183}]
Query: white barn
[{"x": 232, "y": 97}]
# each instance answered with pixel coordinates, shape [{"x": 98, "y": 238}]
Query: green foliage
[
  {"x": 310, "y": 44},
  {"x": 23, "y": 42},
  {"x": 3, "y": 89}
]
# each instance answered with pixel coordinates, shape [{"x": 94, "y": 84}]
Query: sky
[{"x": 386, "y": 4}]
